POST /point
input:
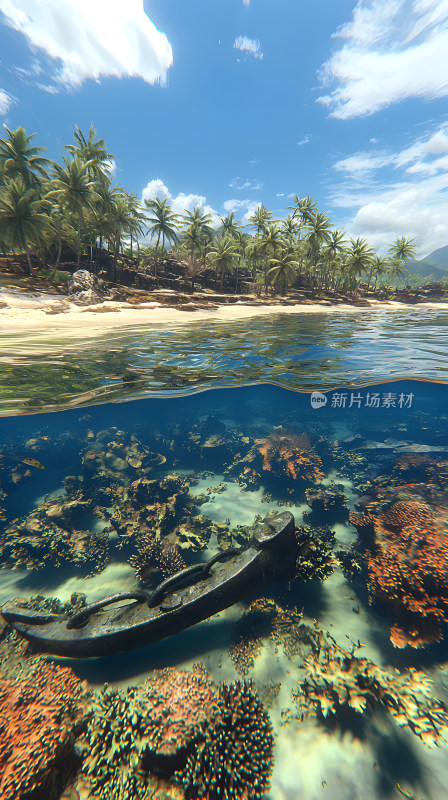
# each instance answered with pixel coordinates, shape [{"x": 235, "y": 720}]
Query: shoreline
[{"x": 58, "y": 315}]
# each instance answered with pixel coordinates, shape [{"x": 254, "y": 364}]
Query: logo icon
[{"x": 318, "y": 400}]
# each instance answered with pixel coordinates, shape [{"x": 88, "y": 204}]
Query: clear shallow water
[
  {"x": 381, "y": 452},
  {"x": 301, "y": 352}
]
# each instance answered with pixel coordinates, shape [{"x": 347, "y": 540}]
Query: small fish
[
  {"x": 32, "y": 463},
  {"x": 28, "y": 461}
]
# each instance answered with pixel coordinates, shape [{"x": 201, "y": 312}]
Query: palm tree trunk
[
  {"x": 79, "y": 240},
  {"x": 155, "y": 257}
]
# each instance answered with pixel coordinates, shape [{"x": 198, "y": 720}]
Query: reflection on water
[
  {"x": 297, "y": 351},
  {"x": 348, "y": 661}
]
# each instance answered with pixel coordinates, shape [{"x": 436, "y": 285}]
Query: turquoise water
[
  {"x": 114, "y": 497},
  {"x": 300, "y": 351}
]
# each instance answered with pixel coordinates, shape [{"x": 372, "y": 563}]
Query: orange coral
[
  {"x": 408, "y": 560},
  {"x": 290, "y": 453},
  {"x": 38, "y": 717}
]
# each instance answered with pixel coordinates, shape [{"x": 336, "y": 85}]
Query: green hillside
[{"x": 436, "y": 264}]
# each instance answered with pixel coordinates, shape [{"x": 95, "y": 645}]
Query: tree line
[{"x": 46, "y": 206}]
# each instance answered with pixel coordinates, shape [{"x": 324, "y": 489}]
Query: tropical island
[{"x": 67, "y": 229}]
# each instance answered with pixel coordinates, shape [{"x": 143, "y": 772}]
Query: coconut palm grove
[{"x": 70, "y": 213}]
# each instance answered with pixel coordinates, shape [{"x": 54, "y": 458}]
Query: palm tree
[
  {"x": 283, "y": 270},
  {"x": 333, "y": 251},
  {"x": 92, "y": 151},
  {"x": 163, "y": 224},
  {"x": 229, "y": 226},
  {"x": 403, "y": 249},
  {"x": 261, "y": 218},
  {"x": 20, "y": 159},
  {"x": 379, "y": 267},
  {"x": 395, "y": 269},
  {"x": 359, "y": 259},
  {"x": 290, "y": 229},
  {"x": 121, "y": 221},
  {"x": 136, "y": 227},
  {"x": 269, "y": 241},
  {"x": 305, "y": 209},
  {"x": 192, "y": 264},
  {"x": 73, "y": 185},
  {"x": 223, "y": 256},
  {"x": 203, "y": 221},
  {"x": 22, "y": 219}
]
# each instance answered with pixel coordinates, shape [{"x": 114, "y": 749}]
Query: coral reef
[
  {"x": 150, "y": 728},
  {"x": 235, "y": 758},
  {"x": 404, "y": 531},
  {"x": 152, "y": 554},
  {"x": 287, "y": 453},
  {"x": 326, "y": 503},
  {"x": 116, "y": 455},
  {"x": 49, "y": 536},
  {"x": 42, "y": 709},
  {"x": 264, "y": 619},
  {"x": 420, "y": 467},
  {"x": 336, "y": 679},
  {"x": 178, "y": 729}
]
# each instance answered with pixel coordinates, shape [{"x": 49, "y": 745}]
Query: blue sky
[{"x": 232, "y": 103}]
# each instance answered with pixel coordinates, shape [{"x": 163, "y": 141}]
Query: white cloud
[
  {"x": 393, "y": 50},
  {"x": 246, "y": 3},
  {"x": 305, "y": 140},
  {"x": 241, "y": 184},
  {"x": 5, "y": 102},
  {"x": 181, "y": 202},
  {"x": 411, "y": 201},
  {"x": 247, "y": 45},
  {"x": 238, "y": 206},
  {"x": 93, "y": 38}
]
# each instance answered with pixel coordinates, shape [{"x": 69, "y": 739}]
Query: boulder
[{"x": 85, "y": 288}]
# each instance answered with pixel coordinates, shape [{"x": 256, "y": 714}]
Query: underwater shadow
[{"x": 189, "y": 645}]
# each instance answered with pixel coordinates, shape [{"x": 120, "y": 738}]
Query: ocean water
[{"x": 341, "y": 653}]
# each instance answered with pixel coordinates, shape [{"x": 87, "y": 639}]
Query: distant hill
[
  {"x": 439, "y": 256},
  {"x": 435, "y": 264}
]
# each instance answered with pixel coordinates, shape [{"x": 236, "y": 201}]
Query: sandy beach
[{"x": 54, "y": 314}]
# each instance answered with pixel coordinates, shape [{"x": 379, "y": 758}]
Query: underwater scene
[{"x": 300, "y": 650}]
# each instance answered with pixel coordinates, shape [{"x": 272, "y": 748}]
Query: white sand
[{"x": 25, "y": 315}]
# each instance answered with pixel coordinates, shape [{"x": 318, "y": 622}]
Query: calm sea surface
[{"x": 300, "y": 352}]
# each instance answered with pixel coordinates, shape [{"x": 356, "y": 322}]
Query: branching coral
[
  {"x": 405, "y": 533},
  {"x": 234, "y": 761},
  {"x": 264, "y": 619},
  {"x": 335, "y": 679},
  {"x": 152, "y": 554},
  {"x": 149, "y": 727}
]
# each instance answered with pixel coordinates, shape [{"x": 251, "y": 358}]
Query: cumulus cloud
[
  {"x": 93, "y": 38},
  {"x": 181, "y": 202},
  {"x": 246, "y": 45},
  {"x": 242, "y": 207},
  {"x": 5, "y": 102},
  {"x": 393, "y": 50},
  {"x": 409, "y": 198}
]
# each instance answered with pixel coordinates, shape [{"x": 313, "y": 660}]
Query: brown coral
[
  {"x": 405, "y": 532},
  {"x": 285, "y": 452}
]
